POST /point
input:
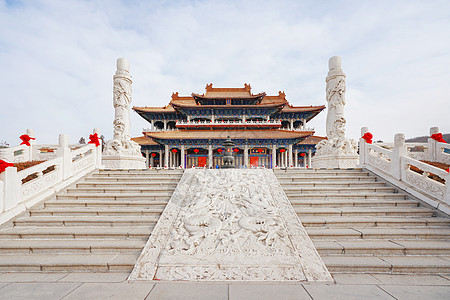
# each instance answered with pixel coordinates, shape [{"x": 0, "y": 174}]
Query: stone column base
[
  {"x": 335, "y": 161},
  {"x": 123, "y": 162}
]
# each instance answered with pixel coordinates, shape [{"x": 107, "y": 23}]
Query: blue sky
[{"x": 58, "y": 57}]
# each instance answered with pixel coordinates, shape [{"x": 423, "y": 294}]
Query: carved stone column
[
  {"x": 337, "y": 151},
  {"x": 296, "y": 158},
  {"x": 290, "y": 163},
  {"x": 166, "y": 156},
  {"x": 274, "y": 156},
  {"x": 246, "y": 156},
  {"x": 121, "y": 152},
  {"x": 210, "y": 156},
  {"x": 183, "y": 163},
  {"x": 309, "y": 157}
]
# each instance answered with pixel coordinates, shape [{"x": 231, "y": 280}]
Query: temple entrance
[
  {"x": 197, "y": 157},
  {"x": 254, "y": 161},
  {"x": 202, "y": 160},
  {"x": 259, "y": 157}
]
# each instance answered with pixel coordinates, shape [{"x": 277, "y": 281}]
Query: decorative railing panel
[{"x": 423, "y": 181}]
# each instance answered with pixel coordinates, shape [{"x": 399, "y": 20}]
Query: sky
[{"x": 57, "y": 60}]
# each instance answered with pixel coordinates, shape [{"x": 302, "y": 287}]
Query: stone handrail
[
  {"x": 21, "y": 190},
  {"x": 17, "y": 153},
  {"x": 442, "y": 152},
  {"x": 395, "y": 165}
]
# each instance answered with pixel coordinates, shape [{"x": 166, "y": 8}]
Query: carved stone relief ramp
[{"x": 229, "y": 225}]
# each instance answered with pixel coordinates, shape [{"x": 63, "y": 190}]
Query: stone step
[
  {"x": 387, "y": 264},
  {"x": 133, "y": 184},
  {"x": 141, "y": 172},
  {"x": 354, "y": 203},
  {"x": 112, "y": 262},
  {"x": 103, "y": 211},
  {"x": 67, "y": 204},
  {"x": 85, "y": 221},
  {"x": 381, "y": 221},
  {"x": 293, "y": 190},
  {"x": 125, "y": 178},
  {"x": 298, "y": 180},
  {"x": 300, "y": 172},
  {"x": 59, "y": 246},
  {"x": 161, "y": 196},
  {"x": 305, "y": 212},
  {"x": 300, "y": 185},
  {"x": 78, "y": 232},
  {"x": 352, "y": 197},
  {"x": 402, "y": 233},
  {"x": 121, "y": 190},
  {"x": 383, "y": 247}
]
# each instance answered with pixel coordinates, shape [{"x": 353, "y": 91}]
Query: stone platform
[
  {"x": 236, "y": 225},
  {"x": 56, "y": 286}
]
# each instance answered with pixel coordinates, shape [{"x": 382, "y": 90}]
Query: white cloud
[{"x": 58, "y": 58}]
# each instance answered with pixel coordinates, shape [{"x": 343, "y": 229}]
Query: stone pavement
[{"x": 51, "y": 286}]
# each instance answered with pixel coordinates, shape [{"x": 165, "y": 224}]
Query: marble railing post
[
  {"x": 432, "y": 143},
  {"x": 11, "y": 189},
  {"x": 98, "y": 149},
  {"x": 398, "y": 151},
  {"x": 274, "y": 156},
  {"x": 31, "y": 149},
  {"x": 63, "y": 151},
  {"x": 363, "y": 148}
]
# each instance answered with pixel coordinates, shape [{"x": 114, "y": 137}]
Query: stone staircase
[
  {"x": 100, "y": 224},
  {"x": 359, "y": 224}
]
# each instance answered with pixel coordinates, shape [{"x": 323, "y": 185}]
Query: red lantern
[
  {"x": 282, "y": 150},
  {"x": 153, "y": 154},
  {"x": 302, "y": 154},
  {"x": 236, "y": 150},
  {"x": 219, "y": 150},
  {"x": 260, "y": 150},
  {"x": 196, "y": 150},
  {"x": 174, "y": 150}
]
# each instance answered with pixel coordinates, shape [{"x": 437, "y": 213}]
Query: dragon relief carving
[
  {"x": 229, "y": 215},
  {"x": 229, "y": 225}
]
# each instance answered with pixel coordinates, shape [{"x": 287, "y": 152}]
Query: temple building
[{"x": 190, "y": 130}]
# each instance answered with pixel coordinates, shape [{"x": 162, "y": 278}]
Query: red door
[
  {"x": 202, "y": 161},
  {"x": 253, "y": 161}
]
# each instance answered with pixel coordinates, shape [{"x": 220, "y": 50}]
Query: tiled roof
[
  {"x": 288, "y": 108},
  {"x": 312, "y": 140},
  {"x": 234, "y": 134},
  {"x": 143, "y": 140}
]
